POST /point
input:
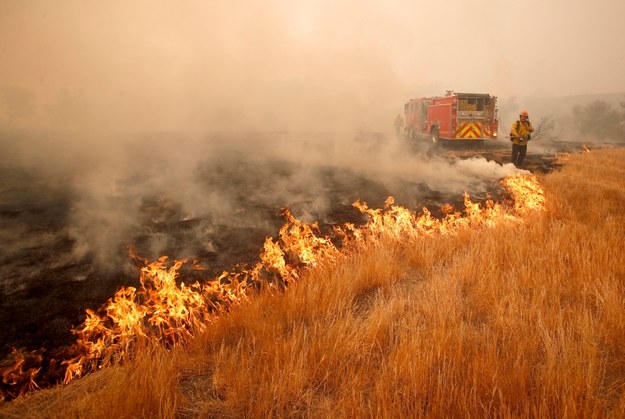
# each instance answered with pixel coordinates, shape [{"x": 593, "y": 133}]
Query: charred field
[{"x": 77, "y": 223}]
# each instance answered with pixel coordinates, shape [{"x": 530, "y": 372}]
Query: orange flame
[
  {"x": 400, "y": 223},
  {"x": 20, "y": 370},
  {"x": 526, "y": 193},
  {"x": 163, "y": 311}
]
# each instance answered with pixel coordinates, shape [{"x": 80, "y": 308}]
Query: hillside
[{"x": 511, "y": 318}]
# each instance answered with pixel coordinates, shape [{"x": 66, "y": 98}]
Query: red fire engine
[{"x": 470, "y": 117}]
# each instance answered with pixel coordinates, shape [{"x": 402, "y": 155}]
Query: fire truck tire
[{"x": 434, "y": 136}]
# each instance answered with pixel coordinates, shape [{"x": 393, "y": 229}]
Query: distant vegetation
[
  {"x": 544, "y": 128},
  {"x": 600, "y": 120}
]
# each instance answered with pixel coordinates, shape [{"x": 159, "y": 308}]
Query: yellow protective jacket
[{"x": 520, "y": 133}]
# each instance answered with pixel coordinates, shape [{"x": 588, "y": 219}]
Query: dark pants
[{"x": 518, "y": 154}]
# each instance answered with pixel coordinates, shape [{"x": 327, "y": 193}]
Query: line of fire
[{"x": 166, "y": 311}]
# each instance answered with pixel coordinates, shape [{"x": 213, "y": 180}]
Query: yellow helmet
[{"x": 524, "y": 113}]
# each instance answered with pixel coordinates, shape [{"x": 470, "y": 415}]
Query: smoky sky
[{"x": 299, "y": 66}]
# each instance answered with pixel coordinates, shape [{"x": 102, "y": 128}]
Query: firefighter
[
  {"x": 399, "y": 124},
  {"x": 520, "y": 134}
]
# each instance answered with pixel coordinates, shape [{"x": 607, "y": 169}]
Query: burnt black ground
[{"x": 45, "y": 286}]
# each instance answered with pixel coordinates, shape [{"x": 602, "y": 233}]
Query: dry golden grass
[
  {"x": 522, "y": 320},
  {"x": 147, "y": 387}
]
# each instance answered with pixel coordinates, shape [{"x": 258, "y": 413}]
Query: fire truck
[{"x": 457, "y": 117}]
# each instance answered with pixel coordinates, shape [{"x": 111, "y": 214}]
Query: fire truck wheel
[{"x": 434, "y": 136}]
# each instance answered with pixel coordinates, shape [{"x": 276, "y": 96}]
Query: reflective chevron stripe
[{"x": 469, "y": 130}]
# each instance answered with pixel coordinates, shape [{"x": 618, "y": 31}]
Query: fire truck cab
[{"x": 461, "y": 117}]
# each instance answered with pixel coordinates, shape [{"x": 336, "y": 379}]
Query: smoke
[
  {"x": 184, "y": 194},
  {"x": 236, "y": 67},
  {"x": 288, "y": 66},
  {"x": 392, "y": 161}
]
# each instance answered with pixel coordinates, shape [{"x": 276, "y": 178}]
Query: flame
[
  {"x": 169, "y": 312},
  {"x": 400, "y": 223},
  {"x": 19, "y": 371},
  {"x": 526, "y": 193},
  {"x": 160, "y": 310}
]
